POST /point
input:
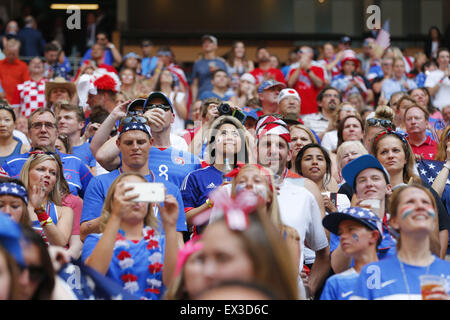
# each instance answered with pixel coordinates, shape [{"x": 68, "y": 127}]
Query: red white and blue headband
[{"x": 272, "y": 125}]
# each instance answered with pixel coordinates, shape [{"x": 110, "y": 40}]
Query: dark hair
[
  {"x": 341, "y": 126},
  {"x": 47, "y": 282},
  {"x": 217, "y": 71},
  {"x": 299, "y": 158},
  {"x": 158, "y": 81},
  {"x": 321, "y": 93},
  {"x": 50, "y": 46},
  {"x": 74, "y": 108},
  {"x": 98, "y": 114},
  {"x": 4, "y": 105},
  {"x": 65, "y": 140}
]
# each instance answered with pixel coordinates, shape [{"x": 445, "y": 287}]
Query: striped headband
[{"x": 272, "y": 125}]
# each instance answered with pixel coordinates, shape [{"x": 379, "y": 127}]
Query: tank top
[{"x": 15, "y": 151}]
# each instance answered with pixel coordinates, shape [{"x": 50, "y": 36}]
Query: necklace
[{"x": 405, "y": 280}]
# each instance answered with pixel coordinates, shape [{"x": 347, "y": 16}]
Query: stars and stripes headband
[
  {"x": 135, "y": 126},
  {"x": 14, "y": 189},
  {"x": 272, "y": 125}
]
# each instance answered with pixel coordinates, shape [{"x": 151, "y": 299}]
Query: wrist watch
[{"x": 308, "y": 70}]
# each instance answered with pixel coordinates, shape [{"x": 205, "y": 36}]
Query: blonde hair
[
  {"x": 57, "y": 192},
  {"x": 149, "y": 220},
  {"x": 306, "y": 129},
  {"x": 345, "y": 144}
]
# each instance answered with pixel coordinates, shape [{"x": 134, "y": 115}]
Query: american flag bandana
[{"x": 272, "y": 125}]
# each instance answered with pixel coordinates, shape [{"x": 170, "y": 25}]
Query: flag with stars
[{"x": 428, "y": 170}]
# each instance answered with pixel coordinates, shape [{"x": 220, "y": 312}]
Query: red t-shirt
[
  {"x": 306, "y": 90},
  {"x": 426, "y": 150},
  {"x": 271, "y": 73},
  {"x": 12, "y": 74}
]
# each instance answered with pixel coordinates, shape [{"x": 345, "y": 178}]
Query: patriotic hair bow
[
  {"x": 235, "y": 210},
  {"x": 190, "y": 247}
]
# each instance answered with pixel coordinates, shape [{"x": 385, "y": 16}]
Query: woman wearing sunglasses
[{"x": 9, "y": 144}]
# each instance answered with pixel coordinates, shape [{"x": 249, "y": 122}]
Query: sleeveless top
[{"x": 16, "y": 150}]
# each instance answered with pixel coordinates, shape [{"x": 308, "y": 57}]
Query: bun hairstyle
[{"x": 385, "y": 112}]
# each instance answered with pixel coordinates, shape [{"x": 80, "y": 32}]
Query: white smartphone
[{"x": 148, "y": 191}]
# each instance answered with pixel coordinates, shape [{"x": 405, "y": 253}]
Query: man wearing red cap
[
  {"x": 298, "y": 202},
  {"x": 307, "y": 80}
]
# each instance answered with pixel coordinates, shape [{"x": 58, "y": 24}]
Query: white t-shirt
[
  {"x": 330, "y": 140},
  {"x": 442, "y": 96}
]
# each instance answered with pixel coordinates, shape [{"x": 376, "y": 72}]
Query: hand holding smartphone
[{"x": 147, "y": 191}]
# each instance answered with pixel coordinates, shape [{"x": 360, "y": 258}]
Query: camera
[{"x": 226, "y": 110}]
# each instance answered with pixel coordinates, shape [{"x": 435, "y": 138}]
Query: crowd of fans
[{"x": 300, "y": 180}]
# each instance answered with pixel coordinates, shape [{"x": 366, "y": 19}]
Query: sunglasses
[
  {"x": 160, "y": 106},
  {"x": 131, "y": 118},
  {"x": 34, "y": 152},
  {"x": 381, "y": 122}
]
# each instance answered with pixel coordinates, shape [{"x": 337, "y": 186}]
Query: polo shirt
[
  {"x": 98, "y": 188},
  {"x": 427, "y": 149},
  {"x": 12, "y": 74}
]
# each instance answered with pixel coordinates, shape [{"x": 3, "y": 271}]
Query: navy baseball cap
[
  {"x": 158, "y": 94},
  {"x": 361, "y": 215},
  {"x": 354, "y": 167},
  {"x": 269, "y": 84},
  {"x": 249, "y": 112},
  {"x": 10, "y": 236},
  {"x": 136, "y": 104}
]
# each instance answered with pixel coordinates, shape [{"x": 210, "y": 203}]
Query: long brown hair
[
  {"x": 408, "y": 168},
  {"x": 269, "y": 254},
  {"x": 149, "y": 220},
  {"x": 13, "y": 271}
]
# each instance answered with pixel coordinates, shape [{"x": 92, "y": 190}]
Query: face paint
[
  {"x": 355, "y": 237},
  {"x": 407, "y": 211},
  {"x": 240, "y": 187},
  {"x": 430, "y": 211},
  {"x": 260, "y": 190}
]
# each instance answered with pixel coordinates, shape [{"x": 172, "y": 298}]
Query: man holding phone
[{"x": 134, "y": 143}]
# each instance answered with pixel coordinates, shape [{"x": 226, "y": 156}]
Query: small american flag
[
  {"x": 384, "y": 37},
  {"x": 429, "y": 169}
]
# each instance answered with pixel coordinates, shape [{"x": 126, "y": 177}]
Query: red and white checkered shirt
[{"x": 29, "y": 96}]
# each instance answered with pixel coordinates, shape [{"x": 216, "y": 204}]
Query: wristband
[
  {"x": 209, "y": 203},
  {"x": 308, "y": 70},
  {"x": 447, "y": 166},
  {"x": 43, "y": 217},
  {"x": 47, "y": 222}
]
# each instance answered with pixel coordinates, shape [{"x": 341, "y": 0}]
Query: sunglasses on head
[
  {"x": 132, "y": 118},
  {"x": 382, "y": 122},
  {"x": 165, "y": 107},
  {"x": 34, "y": 152}
]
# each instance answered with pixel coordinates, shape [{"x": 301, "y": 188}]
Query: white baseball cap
[{"x": 288, "y": 92}]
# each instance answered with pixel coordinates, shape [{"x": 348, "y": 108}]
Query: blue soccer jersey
[
  {"x": 98, "y": 188},
  {"x": 197, "y": 186},
  {"x": 340, "y": 286},
  {"x": 85, "y": 154},
  {"x": 172, "y": 164},
  {"x": 75, "y": 171},
  {"x": 384, "y": 279}
]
